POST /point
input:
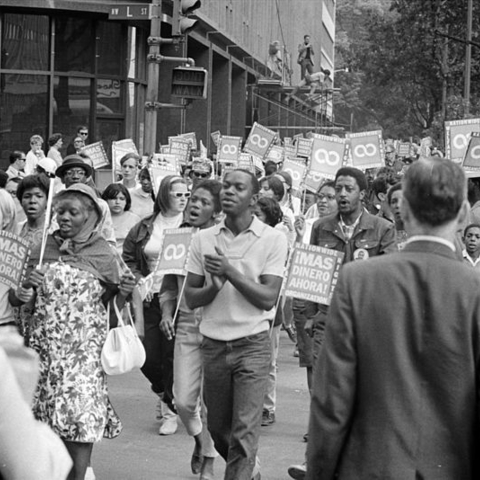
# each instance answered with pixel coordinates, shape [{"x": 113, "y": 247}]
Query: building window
[
  {"x": 110, "y": 56},
  {"x": 25, "y": 41},
  {"x": 74, "y": 45}
]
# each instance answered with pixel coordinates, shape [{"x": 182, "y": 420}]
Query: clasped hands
[{"x": 217, "y": 266}]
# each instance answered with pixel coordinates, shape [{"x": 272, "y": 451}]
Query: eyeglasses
[
  {"x": 79, "y": 172},
  {"x": 83, "y": 133},
  {"x": 201, "y": 175},
  {"x": 181, "y": 194}
]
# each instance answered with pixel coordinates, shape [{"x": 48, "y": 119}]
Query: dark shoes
[
  {"x": 292, "y": 334},
  {"x": 298, "y": 472},
  {"x": 268, "y": 418}
]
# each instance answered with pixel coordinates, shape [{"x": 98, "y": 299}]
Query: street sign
[{"x": 139, "y": 11}]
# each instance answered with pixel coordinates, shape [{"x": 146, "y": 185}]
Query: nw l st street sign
[{"x": 139, "y": 11}]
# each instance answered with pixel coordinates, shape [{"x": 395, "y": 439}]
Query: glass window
[
  {"x": 24, "y": 42},
  {"x": 71, "y": 105},
  {"x": 109, "y": 96},
  {"x": 23, "y": 111},
  {"x": 74, "y": 45},
  {"x": 109, "y": 131},
  {"x": 110, "y": 37}
]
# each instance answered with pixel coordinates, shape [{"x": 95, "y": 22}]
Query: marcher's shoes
[
  {"x": 298, "y": 472},
  {"x": 89, "y": 475},
  {"x": 291, "y": 333},
  {"x": 268, "y": 418},
  {"x": 169, "y": 421},
  {"x": 196, "y": 462}
]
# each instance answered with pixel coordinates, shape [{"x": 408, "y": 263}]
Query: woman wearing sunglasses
[{"x": 140, "y": 252}]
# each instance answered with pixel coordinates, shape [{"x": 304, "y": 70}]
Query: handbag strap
[{"x": 118, "y": 313}]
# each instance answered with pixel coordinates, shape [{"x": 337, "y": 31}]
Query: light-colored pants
[
  {"x": 188, "y": 379},
  {"x": 270, "y": 401}
]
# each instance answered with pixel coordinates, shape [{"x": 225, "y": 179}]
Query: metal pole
[
  {"x": 153, "y": 77},
  {"x": 468, "y": 57}
]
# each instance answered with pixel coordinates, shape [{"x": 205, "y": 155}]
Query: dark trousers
[
  {"x": 306, "y": 66},
  {"x": 158, "y": 366},
  {"x": 235, "y": 380}
]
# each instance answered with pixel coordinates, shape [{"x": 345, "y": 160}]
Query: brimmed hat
[{"x": 73, "y": 161}]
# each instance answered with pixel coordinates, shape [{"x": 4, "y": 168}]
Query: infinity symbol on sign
[
  {"x": 330, "y": 158},
  {"x": 460, "y": 140},
  {"x": 368, "y": 150},
  {"x": 229, "y": 149},
  {"x": 475, "y": 152},
  {"x": 295, "y": 174},
  {"x": 261, "y": 142},
  {"x": 174, "y": 252}
]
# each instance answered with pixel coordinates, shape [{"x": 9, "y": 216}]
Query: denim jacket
[{"x": 373, "y": 234}]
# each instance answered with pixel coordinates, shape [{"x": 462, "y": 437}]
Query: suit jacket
[{"x": 396, "y": 386}]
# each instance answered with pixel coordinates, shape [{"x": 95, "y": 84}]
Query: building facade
[{"x": 65, "y": 63}]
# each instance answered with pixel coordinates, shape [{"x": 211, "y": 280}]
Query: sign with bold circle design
[
  {"x": 328, "y": 155},
  {"x": 367, "y": 149},
  {"x": 297, "y": 171},
  {"x": 457, "y": 137},
  {"x": 260, "y": 140},
  {"x": 228, "y": 149},
  {"x": 174, "y": 252},
  {"x": 471, "y": 162}
]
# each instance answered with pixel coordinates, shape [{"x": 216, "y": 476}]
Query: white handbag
[{"x": 123, "y": 350}]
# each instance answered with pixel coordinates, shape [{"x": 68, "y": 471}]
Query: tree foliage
[{"x": 404, "y": 77}]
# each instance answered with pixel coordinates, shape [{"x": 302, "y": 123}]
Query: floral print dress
[{"x": 69, "y": 328}]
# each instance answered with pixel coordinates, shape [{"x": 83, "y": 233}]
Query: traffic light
[
  {"x": 189, "y": 82},
  {"x": 182, "y": 9}
]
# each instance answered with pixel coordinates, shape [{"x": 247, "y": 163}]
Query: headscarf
[
  {"x": 87, "y": 250},
  {"x": 8, "y": 212}
]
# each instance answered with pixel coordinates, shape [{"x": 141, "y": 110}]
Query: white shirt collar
[{"x": 431, "y": 238}]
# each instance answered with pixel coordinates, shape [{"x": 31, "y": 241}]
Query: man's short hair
[
  {"x": 305, "y": 36},
  {"x": 379, "y": 185},
  {"x": 253, "y": 179},
  {"x": 357, "y": 174},
  {"x": 392, "y": 190},
  {"x": 326, "y": 72},
  {"x": 16, "y": 155},
  {"x": 435, "y": 189}
]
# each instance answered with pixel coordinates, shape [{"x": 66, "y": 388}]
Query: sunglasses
[
  {"x": 181, "y": 194},
  {"x": 83, "y": 133},
  {"x": 201, "y": 175}
]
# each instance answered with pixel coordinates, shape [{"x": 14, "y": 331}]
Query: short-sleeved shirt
[{"x": 259, "y": 250}]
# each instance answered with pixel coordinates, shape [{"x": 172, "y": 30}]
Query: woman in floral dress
[{"x": 69, "y": 326}]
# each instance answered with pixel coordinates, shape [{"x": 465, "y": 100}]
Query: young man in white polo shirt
[{"x": 235, "y": 273}]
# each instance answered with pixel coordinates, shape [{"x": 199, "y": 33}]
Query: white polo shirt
[{"x": 259, "y": 250}]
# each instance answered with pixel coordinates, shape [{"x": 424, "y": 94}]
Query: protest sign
[
  {"x": 276, "y": 154},
  {"x": 97, "y": 154},
  {"x": 297, "y": 171},
  {"x": 157, "y": 174},
  {"x": 165, "y": 149},
  {"x": 258, "y": 164},
  {"x": 313, "y": 180},
  {"x": 304, "y": 147},
  {"x": 14, "y": 253},
  {"x": 119, "y": 149},
  {"x": 457, "y": 136},
  {"x": 290, "y": 151},
  {"x": 191, "y": 137},
  {"x": 174, "y": 251},
  {"x": 245, "y": 161},
  {"x": 328, "y": 155},
  {"x": 167, "y": 161},
  {"x": 367, "y": 149},
  {"x": 180, "y": 147},
  {"x": 216, "y": 137},
  {"x": 313, "y": 273},
  {"x": 403, "y": 149},
  {"x": 228, "y": 149},
  {"x": 287, "y": 141},
  {"x": 471, "y": 162},
  {"x": 260, "y": 140}
]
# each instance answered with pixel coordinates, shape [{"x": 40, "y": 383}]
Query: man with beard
[{"x": 354, "y": 232}]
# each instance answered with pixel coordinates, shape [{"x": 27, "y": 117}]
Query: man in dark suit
[{"x": 395, "y": 393}]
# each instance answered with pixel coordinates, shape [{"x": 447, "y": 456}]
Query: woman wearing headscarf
[
  {"x": 79, "y": 276},
  {"x": 140, "y": 252}
]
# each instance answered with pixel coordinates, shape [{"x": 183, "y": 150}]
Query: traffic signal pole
[{"x": 153, "y": 77}]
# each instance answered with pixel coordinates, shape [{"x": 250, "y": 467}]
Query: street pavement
[{"x": 139, "y": 453}]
